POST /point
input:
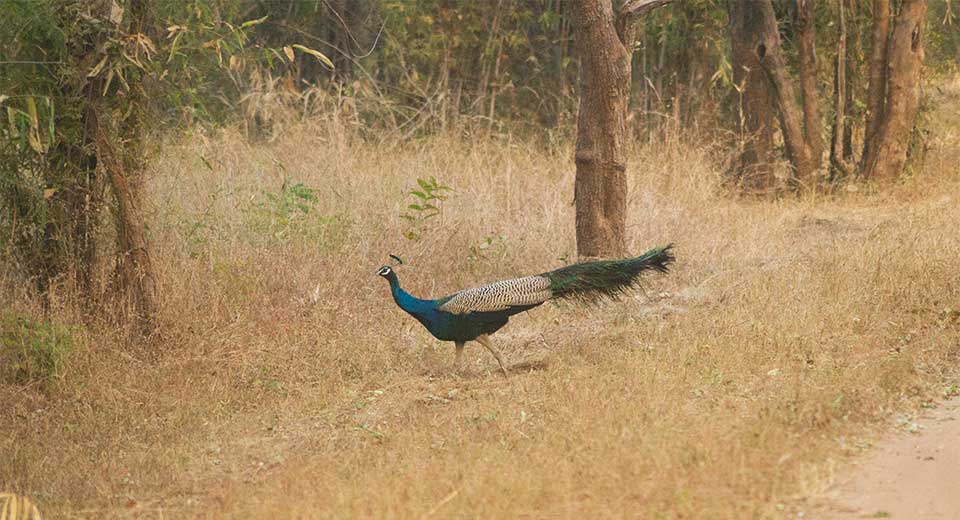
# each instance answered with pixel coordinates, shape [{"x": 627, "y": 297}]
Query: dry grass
[{"x": 287, "y": 384}]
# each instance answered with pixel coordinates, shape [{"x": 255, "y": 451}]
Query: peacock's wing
[{"x": 517, "y": 294}]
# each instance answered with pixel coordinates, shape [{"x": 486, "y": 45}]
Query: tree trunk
[
  {"x": 837, "y": 158},
  {"x": 854, "y": 58},
  {"x": 877, "y": 72},
  {"x": 755, "y": 122},
  {"x": 770, "y": 54},
  {"x": 806, "y": 27},
  {"x": 135, "y": 262},
  {"x": 123, "y": 164},
  {"x": 600, "y": 189},
  {"x": 605, "y": 43},
  {"x": 886, "y": 153}
]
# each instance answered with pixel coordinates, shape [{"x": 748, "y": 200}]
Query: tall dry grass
[{"x": 286, "y": 383}]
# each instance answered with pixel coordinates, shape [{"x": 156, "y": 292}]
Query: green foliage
[
  {"x": 426, "y": 206},
  {"x": 289, "y": 203},
  {"x": 78, "y": 77},
  {"x": 942, "y": 48},
  {"x": 32, "y": 351},
  {"x": 291, "y": 212}
]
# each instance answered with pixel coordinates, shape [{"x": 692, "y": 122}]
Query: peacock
[{"x": 474, "y": 314}]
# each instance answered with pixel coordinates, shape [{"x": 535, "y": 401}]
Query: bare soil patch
[{"x": 913, "y": 473}]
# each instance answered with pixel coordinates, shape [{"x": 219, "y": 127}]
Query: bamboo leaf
[
  {"x": 32, "y": 112},
  {"x": 289, "y": 52},
  {"x": 173, "y": 45},
  {"x": 251, "y": 23},
  {"x": 99, "y": 67},
  {"x": 132, "y": 59},
  {"x": 146, "y": 44},
  {"x": 106, "y": 84},
  {"x": 33, "y": 136},
  {"x": 51, "y": 124},
  {"x": 316, "y": 54},
  {"x": 12, "y": 119}
]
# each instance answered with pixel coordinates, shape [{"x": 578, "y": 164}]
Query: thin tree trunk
[
  {"x": 854, "y": 58},
  {"x": 661, "y": 95},
  {"x": 877, "y": 73},
  {"x": 136, "y": 265},
  {"x": 755, "y": 124},
  {"x": 644, "y": 89},
  {"x": 486, "y": 68},
  {"x": 837, "y": 159},
  {"x": 806, "y": 27},
  {"x": 600, "y": 188},
  {"x": 135, "y": 255},
  {"x": 771, "y": 58},
  {"x": 887, "y": 151},
  {"x": 605, "y": 43}
]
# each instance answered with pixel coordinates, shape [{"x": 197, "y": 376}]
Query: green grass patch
[{"x": 32, "y": 351}]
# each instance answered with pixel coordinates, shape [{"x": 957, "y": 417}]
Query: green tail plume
[{"x": 593, "y": 281}]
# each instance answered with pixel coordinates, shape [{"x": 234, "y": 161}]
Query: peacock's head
[{"x": 387, "y": 271}]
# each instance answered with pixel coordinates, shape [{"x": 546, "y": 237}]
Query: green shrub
[
  {"x": 32, "y": 350},
  {"x": 291, "y": 213},
  {"x": 430, "y": 194}
]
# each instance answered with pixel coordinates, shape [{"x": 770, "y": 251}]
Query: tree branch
[
  {"x": 640, "y": 7},
  {"x": 628, "y": 15}
]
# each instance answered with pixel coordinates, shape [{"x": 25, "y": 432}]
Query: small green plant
[
  {"x": 952, "y": 390},
  {"x": 428, "y": 197},
  {"x": 292, "y": 212},
  {"x": 32, "y": 350},
  {"x": 266, "y": 381},
  {"x": 491, "y": 244},
  {"x": 289, "y": 204}
]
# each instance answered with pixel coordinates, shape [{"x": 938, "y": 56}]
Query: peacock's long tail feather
[
  {"x": 593, "y": 281},
  {"x": 590, "y": 282}
]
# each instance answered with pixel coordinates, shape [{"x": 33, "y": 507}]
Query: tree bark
[
  {"x": 600, "y": 189},
  {"x": 770, "y": 54},
  {"x": 120, "y": 152},
  {"x": 806, "y": 28},
  {"x": 877, "y": 72},
  {"x": 886, "y": 153},
  {"x": 755, "y": 105},
  {"x": 837, "y": 158},
  {"x": 136, "y": 265},
  {"x": 853, "y": 59},
  {"x": 605, "y": 43}
]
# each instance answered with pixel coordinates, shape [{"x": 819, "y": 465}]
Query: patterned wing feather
[{"x": 498, "y": 296}]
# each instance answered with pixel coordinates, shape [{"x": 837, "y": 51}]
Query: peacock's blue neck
[{"x": 405, "y": 300}]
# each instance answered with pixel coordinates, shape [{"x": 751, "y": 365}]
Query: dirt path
[{"x": 911, "y": 476}]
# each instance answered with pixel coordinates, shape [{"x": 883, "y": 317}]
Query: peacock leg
[
  {"x": 485, "y": 341},
  {"x": 459, "y": 360}
]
